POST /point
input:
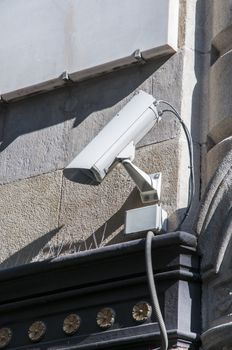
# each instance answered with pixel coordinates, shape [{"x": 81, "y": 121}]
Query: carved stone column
[
  {"x": 215, "y": 244},
  {"x": 215, "y": 219}
]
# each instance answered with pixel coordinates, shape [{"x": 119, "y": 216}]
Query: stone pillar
[
  {"x": 215, "y": 228},
  {"x": 215, "y": 219}
]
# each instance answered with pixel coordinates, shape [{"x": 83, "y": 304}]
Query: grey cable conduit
[{"x": 153, "y": 292}]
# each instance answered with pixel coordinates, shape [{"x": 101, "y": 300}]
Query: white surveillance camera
[{"x": 116, "y": 143}]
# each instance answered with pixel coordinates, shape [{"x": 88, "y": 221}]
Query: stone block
[
  {"x": 29, "y": 217},
  {"x": 92, "y": 216},
  {"x": 167, "y": 80},
  {"x": 221, "y": 16},
  {"x": 197, "y": 20},
  {"x": 222, "y": 41},
  {"x": 220, "y": 105},
  {"x": 33, "y": 140},
  {"x": 216, "y": 154}
]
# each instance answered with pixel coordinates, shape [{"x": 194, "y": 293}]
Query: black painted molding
[{"x": 114, "y": 277}]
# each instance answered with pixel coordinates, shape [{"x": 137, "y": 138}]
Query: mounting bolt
[
  {"x": 138, "y": 56},
  {"x": 65, "y": 76}
]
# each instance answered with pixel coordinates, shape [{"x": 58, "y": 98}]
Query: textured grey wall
[{"x": 43, "y": 214}]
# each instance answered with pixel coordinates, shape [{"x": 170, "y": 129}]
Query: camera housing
[{"x": 119, "y": 136}]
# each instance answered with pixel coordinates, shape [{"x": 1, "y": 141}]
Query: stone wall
[{"x": 43, "y": 214}]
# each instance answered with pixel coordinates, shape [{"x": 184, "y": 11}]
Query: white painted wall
[{"x": 42, "y": 39}]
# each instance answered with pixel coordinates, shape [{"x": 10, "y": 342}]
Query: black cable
[
  {"x": 150, "y": 235},
  {"x": 153, "y": 292},
  {"x": 190, "y": 148}
]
